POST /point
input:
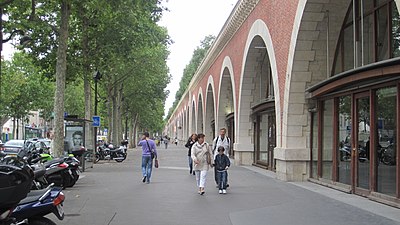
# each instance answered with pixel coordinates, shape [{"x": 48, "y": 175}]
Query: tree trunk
[
  {"x": 114, "y": 135},
  {"x": 89, "y": 135},
  {"x": 61, "y": 69},
  {"x": 120, "y": 115},
  {"x": 109, "y": 112},
  {"x": 134, "y": 130}
]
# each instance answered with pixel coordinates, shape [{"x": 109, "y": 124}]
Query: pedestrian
[
  {"x": 176, "y": 141},
  {"x": 166, "y": 141},
  {"x": 201, "y": 155},
  {"x": 221, "y": 165},
  {"x": 224, "y": 141},
  {"x": 192, "y": 139},
  {"x": 148, "y": 148}
]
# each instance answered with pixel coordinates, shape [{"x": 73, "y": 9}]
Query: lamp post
[{"x": 96, "y": 78}]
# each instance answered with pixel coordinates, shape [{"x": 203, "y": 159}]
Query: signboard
[{"x": 96, "y": 121}]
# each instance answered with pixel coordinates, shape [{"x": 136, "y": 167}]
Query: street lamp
[{"x": 96, "y": 78}]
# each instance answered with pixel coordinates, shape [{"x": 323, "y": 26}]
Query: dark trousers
[
  {"x": 216, "y": 176},
  {"x": 222, "y": 179}
]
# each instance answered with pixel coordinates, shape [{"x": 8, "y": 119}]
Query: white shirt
[{"x": 226, "y": 142}]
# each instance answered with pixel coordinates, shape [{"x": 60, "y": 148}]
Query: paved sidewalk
[{"x": 112, "y": 193}]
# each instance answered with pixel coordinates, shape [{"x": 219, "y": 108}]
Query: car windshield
[{"x": 18, "y": 143}]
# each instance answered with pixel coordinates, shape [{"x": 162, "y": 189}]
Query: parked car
[
  {"x": 38, "y": 144},
  {"x": 13, "y": 147},
  {"x": 47, "y": 143}
]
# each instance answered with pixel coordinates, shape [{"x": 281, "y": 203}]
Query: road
[{"x": 113, "y": 193}]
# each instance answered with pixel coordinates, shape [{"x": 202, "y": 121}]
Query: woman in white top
[{"x": 202, "y": 159}]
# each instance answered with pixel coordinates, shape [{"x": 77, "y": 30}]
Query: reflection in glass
[
  {"x": 348, "y": 54},
  {"x": 315, "y": 146},
  {"x": 386, "y": 145},
  {"x": 363, "y": 116},
  {"x": 344, "y": 148},
  {"x": 395, "y": 31},
  {"x": 382, "y": 34},
  {"x": 263, "y": 153},
  {"x": 368, "y": 45},
  {"x": 327, "y": 140}
]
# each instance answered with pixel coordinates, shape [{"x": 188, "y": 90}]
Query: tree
[{"x": 25, "y": 89}]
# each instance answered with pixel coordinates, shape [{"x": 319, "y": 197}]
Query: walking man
[
  {"x": 148, "y": 147},
  {"x": 224, "y": 141}
]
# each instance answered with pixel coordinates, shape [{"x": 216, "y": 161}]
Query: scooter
[
  {"x": 15, "y": 182},
  {"x": 72, "y": 169},
  {"x": 57, "y": 172},
  {"x": 32, "y": 209}
]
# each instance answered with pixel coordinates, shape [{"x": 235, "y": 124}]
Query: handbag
[
  {"x": 208, "y": 155},
  {"x": 151, "y": 151},
  {"x": 156, "y": 163}
]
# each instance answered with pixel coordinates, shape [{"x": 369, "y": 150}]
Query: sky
[{"x": 189, "y": 22}]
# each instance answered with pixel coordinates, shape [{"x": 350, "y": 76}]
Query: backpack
[{"x": 216, "y": 141}]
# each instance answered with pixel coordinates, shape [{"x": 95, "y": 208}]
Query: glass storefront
[
  {"x": 385, "y": 148},
  {"x": 327, "y": 140},
  {"x": 377, "y": 35},
  {"x": 265, "y": 138},
  {"x": 344, "y": 135}
]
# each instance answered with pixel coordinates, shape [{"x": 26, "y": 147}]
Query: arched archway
[
  {"x": 259, "y": 99},
  {"x": 309, "y": 62},
  {"x": 226, "y": 102},
  {"x": 200, "y": 119},
  {"x": 194, "y": 117},
  {"x": 209, "y": 128}
]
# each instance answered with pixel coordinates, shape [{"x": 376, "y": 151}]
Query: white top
[{"x": 218, "y": 141}]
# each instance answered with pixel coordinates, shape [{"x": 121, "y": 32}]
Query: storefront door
[
  {"x": 271, "y": 140},
  {"x": 361, "y": 144}
]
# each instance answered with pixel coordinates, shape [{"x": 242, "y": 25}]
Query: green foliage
[
  {"x": 123, "y": 41},
  {"x": 24, "y": 88},
  {"x": 74, "y": 101}
]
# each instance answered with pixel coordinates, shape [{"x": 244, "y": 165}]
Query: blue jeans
[
  {"x": 221, "y": 177},
  {"x": 147, "y": 166},
  {"x": 190, "y": 163}
]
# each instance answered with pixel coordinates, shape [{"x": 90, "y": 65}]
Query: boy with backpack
[{"x": 221, "y": 141}]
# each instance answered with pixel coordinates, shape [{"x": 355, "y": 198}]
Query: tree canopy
[{"x": 120, "y": 39}]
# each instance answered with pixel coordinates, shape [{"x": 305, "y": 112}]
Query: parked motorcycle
[
  {"x": 72, "y": 167},
  {"x": 108, "y": 152},
  {"x": 345, "y": 153},
  {"x": 387, "y": 155},
  {"x": 15, "y": 182},
  {"x": 38, "y": 203}
]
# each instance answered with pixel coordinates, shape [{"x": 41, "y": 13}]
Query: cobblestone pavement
[{"x": 113, "y": 193}]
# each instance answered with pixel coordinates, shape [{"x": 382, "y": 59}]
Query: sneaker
[
  {"x": 220, "y": 191},
  {"x": 224, "y": 191},
  {"x": 144, "y": 179}
]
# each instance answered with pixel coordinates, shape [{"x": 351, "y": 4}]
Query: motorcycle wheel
[
  {"x": 68, "y": 180},
  {"x": 387, "y": 160},
  {"x": 75, "y": 175},
  {"x": 119, "y": 156},
  {"x": 97, "y": 159},
  {"x": 41, "y": 221}
]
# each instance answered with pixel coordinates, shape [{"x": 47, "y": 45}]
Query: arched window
[{"x": 374, "y": 36}]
